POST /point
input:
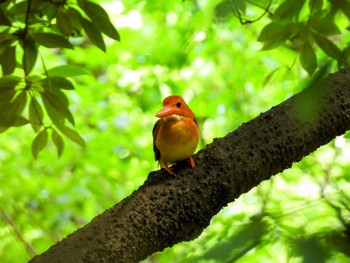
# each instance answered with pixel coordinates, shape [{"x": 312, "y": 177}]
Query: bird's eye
[{"x": 178, "y": 104}]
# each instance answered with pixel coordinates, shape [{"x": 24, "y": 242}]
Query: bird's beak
[{"x": 166, "y": 111}]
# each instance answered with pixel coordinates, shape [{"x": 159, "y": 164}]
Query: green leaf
[
  {"x": 9, "y": 82},
  {"x": 20, "y": 121},
  {"x": 345, "y": 57},
  {"x": 4, "y": 45},
  {"x": 327, "y": 46},
  {"x": 6, "y": 95},
  {"x": 39, "y": 6},
  {"x": 10, "y": 110},
  {"x": 223, "y": 10},
  {"x": 58, "y": 141},
  {"x": 30, "y": 55},
  {"x": 288, "y": 9},
  {"x": 18, "y": 11},
  {"x": 35, "y": 114},
  {"x": 4, "y": 21},
  {"x": 324, "y": 26},
  {"x": 271, "y": 31},
  {"x": 63, "y": 22},
  {"x": 3, "y": 128},
  {"x": 51, "y": 40},
  {"x": 315, "y": 5},
  {"x": 71, "y": 134},
  {"x": 20, "y": 102},
  {"x": 240, "y": 5},
  {"x": 308, "y": 58},
  {"x": 274, "y": 34},
  {"x": 39, "y": 142},
  {"x": 59, "y": 93},
  {"x": 55, "y": 91},
  {"x": 7, "y": 90},
  {"x": 55, "y": 116},
  {"x": 94, "y": 34},
  {"x": 55, "y": 82},
  {"x": 100, "y": 18},
  {"x": 8, "y": 60},
  {"x": 67, "y": 71},
  {"x": 75, "y": 18},
  {"x": 47, "y": 9},
  {"x": 343, "y": 6},
  {"x": 6, "y": 38},
  {"x": 57, "y": 104}
]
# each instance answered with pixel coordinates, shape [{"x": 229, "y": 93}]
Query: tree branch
[{"x": 167, "y": 210}]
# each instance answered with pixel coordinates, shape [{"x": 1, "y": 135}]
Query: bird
[{"x": 175, "y": 134}]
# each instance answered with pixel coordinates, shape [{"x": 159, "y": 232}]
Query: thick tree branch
[{"x": 167, "y": 210}]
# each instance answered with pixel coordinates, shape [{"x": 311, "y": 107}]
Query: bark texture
[{"x": 167, "y": 209}]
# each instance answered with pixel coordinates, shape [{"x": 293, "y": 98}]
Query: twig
[
  {"x": 247, "y": 21},
  {"x": 7, "y": 217}
]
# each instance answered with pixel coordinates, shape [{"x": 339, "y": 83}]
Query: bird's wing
[{"x": 155, "y": 133}]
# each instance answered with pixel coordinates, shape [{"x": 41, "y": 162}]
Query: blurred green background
[{"x": 175, "y": 47}]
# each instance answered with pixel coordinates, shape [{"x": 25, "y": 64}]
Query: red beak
[{"x": 166, "y": 111}]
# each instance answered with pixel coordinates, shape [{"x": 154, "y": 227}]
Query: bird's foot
[
  {"x": 191, "y": 161},
  {"x": 169, "y": 170}
]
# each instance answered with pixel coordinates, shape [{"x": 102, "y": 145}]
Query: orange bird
[{"x": 175, "y": 134}]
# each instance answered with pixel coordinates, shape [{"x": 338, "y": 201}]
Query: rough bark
[{"x": 167, "y": 210}]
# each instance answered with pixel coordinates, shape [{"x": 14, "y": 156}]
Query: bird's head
[{"x": 175, "y": 107}]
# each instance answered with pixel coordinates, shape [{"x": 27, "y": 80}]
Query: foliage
[
  {"x": 206, "y": 51},
  {"x": 27, "y": 26},
  {"x": 300, "y": 25}
]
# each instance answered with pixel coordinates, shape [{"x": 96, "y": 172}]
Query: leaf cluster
[
  {"x": 301, "y": 25},
  {"x": 304, "y": 25},
  {"x": 30, "y": 98}
]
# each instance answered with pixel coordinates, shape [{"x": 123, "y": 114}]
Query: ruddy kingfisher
[{"x": 175, "y": 134}]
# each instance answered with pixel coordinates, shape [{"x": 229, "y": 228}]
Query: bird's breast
[{"x": 177, "y": 139}]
